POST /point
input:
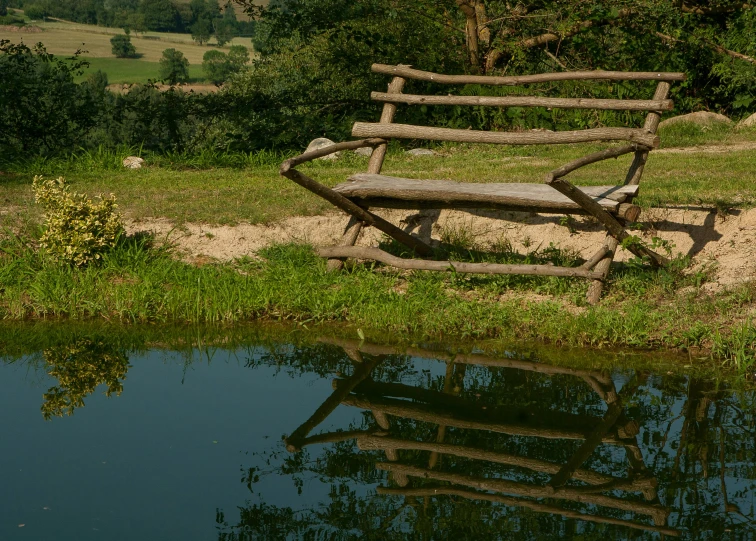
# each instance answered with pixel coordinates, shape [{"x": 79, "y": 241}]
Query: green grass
[
  {"x": 132, "y": 70},
  {"x": 642, "y": 308},
  {"x": 137, "y": 283},
  {"x": 224, "y": 188}
]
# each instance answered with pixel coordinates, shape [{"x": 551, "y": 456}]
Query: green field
[
  {"x": 129, "y": 70},
  {"x": 64, "y": 39}
]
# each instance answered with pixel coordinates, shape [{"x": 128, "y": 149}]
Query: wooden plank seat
[
  {"x": 384, "y": 191},
  {"x": 610, "y": 205}
]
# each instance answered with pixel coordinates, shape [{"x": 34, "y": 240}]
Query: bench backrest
[{"x": 645, "y": 138}]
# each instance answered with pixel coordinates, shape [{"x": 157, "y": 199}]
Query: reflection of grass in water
[{"x": 79, "y": 368}]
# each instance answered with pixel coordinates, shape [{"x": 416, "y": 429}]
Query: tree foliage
[
  {"x": 122, "y": 47},
  {"x": 174, "y": 67},
  {"x": 316, "y": 56},
  {"x": 42, "y": 110}
]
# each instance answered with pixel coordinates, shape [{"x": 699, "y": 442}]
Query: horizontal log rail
[
  {"x": 330, "y": 149},
  {"x": 421, "y": 412},
  {"x": 376, "y": 254},
  {"x": 409, "y": 73},
  {"x": 373, "y": 442},
  {"x": 658, "y": 512},
  {"x": 408, "y": 131},
  {"x": 526, "y": 101},
  {"x": 464, "y": 358},
  {"x": 519, "y": 502},
  {"x": 467, "y": 408}
]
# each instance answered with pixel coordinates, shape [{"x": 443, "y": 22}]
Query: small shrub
[
  {"x": 77, "y": 230},
  {"x": 122, "y": 47},
  {"x": 174, "y": 67}
]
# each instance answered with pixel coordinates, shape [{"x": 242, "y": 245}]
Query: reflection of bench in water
[{"x": 449, "y": 410}]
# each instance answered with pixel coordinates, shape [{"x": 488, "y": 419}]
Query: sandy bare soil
[{"x": 727, "y": 242}]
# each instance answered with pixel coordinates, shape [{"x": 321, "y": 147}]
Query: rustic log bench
[{"x": 610, "y": 205}]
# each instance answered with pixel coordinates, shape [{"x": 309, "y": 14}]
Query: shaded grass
[{"x": 137, "y": 283}]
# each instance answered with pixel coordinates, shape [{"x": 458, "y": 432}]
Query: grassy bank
[
  {"x": 217, "y": 187},
  {"x": 139, "y": 283}
]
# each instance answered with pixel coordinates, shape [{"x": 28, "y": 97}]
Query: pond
[{"x": 344, "y": 439}]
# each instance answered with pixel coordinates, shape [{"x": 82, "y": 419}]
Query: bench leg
[
  {"x": 594, "y": 290},
  {"x": 351, "y": 234}
]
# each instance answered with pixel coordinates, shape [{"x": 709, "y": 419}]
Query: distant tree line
[
  {"x": 201, "y": 17},
  {"x": 312, "y": 76}
]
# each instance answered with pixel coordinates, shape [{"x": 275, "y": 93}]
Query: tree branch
[{"x": 711, "y": 44}]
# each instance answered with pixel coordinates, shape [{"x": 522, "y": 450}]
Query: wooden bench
[{"x": 610, "y": 205}]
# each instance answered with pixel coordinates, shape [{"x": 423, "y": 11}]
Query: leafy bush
[
  {"x": 219, "y": 66},
  {"x": 79, "y": 368},
  {"x": 174, "y": 67},
  {"x": 77, "y": 230},
  {"x": 42, "y": 110},
  {"x": 122, "y": 46}
]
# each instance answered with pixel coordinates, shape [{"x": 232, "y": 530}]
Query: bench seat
[{"x": 381, "y": 191}]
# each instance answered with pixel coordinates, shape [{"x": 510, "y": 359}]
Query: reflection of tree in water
[
  {"x": 79, "y": 368},
  {"x": 694, "y": 438}
]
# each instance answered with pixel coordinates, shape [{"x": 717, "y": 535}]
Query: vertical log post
[
  {"x": 633, "y": 177},
  {"x": 354, "y": 226}
]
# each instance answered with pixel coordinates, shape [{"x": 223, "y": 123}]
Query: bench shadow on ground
[{"x": 422, "y": 224}]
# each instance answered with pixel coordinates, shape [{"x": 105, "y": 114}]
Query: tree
[
  {"x": 42, "y": 110},
  {"x": 136, "y": 22},
  {"x": 238, "y": 57},
  {"x": 174, "y": 68},
  {"x": 3, "y": 8},
  {"x": 37, "y": 11},
  {"x": 122, "y": 46},
  {"x": 216, "y": 67},
  {"x": 160, "y": 15},
  {"x": 201, "y": 31},
  {"x": 226, "y": 27},
  {"x": 224, "y": 31}
]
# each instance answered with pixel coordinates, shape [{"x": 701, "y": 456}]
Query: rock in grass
[
  {"x": 322, "y": 142},
  {"x": 749, "y": 122},
  {"x": 702, "y": 118},
  {"x": 364, "y": 151},
  {"x": 421, "y": 152},
  {"x": 133, "y": 162}
]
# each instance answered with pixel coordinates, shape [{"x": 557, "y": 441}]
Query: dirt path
[{"x": 726, "y": 241}]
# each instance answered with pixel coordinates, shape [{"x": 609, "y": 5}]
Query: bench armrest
[{"x": 325, "y": 151}]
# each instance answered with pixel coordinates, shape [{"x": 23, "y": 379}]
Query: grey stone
[
  {"x": 323, "y": 142},
  {"x": 133, "y": 162},
  {"x": 364, "y": 151},
  {"x": 421, "y": 152},
  {"x": 702, "y": 118},
  {"x": 748, "y": 122}
]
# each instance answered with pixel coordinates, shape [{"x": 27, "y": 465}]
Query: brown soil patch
[{"x": 725, "y": 242}]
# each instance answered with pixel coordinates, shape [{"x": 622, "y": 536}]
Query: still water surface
[{"x": 347, "y": 440}]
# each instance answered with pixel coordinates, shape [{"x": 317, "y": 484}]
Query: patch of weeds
[
  {"x": 738, "y": 348},
  {"x": 568, "y": 222}
]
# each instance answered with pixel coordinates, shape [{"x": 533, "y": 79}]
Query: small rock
[
  {"x": 421, "y": 152},
  {"x": 133, "y": 162},
  {"x": 322, "y": 142},
  {"x": 702, "y": 118},
  {"x": 748, "y": 122},
  {"x": 364, "y": 151}
]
